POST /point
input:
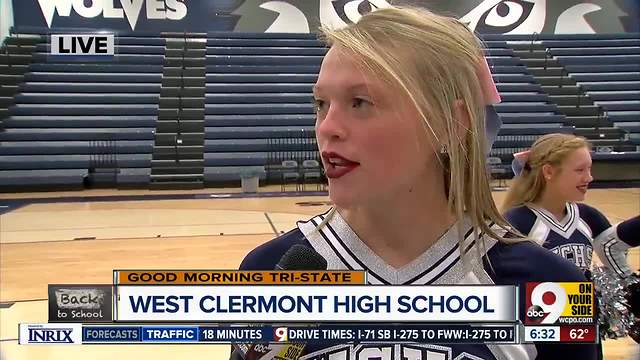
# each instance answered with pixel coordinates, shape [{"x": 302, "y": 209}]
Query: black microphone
[{"x": 298, "y": 257}]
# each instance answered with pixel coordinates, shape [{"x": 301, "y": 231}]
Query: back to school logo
[
  {"x": 80, "y": 303},
  {"x": 560, "y": 303}
]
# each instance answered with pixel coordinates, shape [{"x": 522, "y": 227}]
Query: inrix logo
[{"x": 108, "y": 9}]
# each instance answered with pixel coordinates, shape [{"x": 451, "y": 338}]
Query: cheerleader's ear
[{"x": 462, "y": 117}]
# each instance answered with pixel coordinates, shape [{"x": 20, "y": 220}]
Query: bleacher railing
[{"x": 103, "y": 154}]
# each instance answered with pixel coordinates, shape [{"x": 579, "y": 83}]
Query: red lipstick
[{"x": 337, "y": 165}]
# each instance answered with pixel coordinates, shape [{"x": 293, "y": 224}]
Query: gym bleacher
[
  {"x": 525, "y": 110},
  {"x": 258, "y": 89},
  {"x": 73, "y": 120},
  {"x": 243, "y": 102},
  {"x": 608, "y": 69}
]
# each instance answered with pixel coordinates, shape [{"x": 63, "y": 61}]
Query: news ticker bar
[{"x": 225, "y": 334}]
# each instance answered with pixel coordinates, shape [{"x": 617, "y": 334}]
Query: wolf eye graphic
[
  {"x": 350, "y": 11},
  {"x": 336, "y": 14},
  {"x": 504, "y": 17},
  {"x": 354, "y": 7},
  {"x": 507, "y": 16}
]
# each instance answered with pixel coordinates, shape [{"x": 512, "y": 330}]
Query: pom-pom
[{"x": 615, "y": 298}]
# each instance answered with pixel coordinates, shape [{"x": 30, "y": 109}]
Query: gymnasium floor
[{"x": 80, "y": 237}]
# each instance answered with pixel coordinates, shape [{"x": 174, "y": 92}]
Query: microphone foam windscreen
[{"x": 300, "y": 257}]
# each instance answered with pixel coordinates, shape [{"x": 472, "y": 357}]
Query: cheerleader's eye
[{"x": 318, "y": 105}]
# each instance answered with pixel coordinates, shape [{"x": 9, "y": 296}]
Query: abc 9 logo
[
  {"x": 280, "y": 334},
  {"x": 547, "y": 303}
]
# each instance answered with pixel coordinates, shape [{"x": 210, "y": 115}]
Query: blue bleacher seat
[
  {"x": 92, "y": 77},
  {"x": 138, "y": 176},
  {"x": 509, "y": 69},
  {"x": 81, "y": 121},
  {"x": 606, "y": 77},
  {"x": 532, "y": 118},
  {"x": 611, "y": 85},
  {"x": 628, "y": 156},
  {"x": 589, "y": 51},
  {"x": 602, "y": 68},
  {"x": 252, "y": 98},
  {"x": 524, "y": 107},
  {"x": 239, "y": 145},
  {"x": 535, "y": 128},
  {"x": 614, "y": 95},
  {"x": 101, "y": 67},
  {"x": 513, "y": 78},
  {"x": 265, "y": 60},
  {"x": 302, "y": 120},
  {"x": 261, "y": 78},
  {"x": 236, "y": 159},
  {"x": 48, "y": 134},
  {"x": 528, "y": 87},
  {"x": 524, "y": 97},
  {"x": 83, "y": 109},
  {"x": 43, "y": 162},
  {"x": 265, "y": 51},
  {"x": 80, "y": 98},
  {"x": 502, "y": 60},
  {"x": 67, "y": 161},
  {"x": 264, "y": 42},
  {"x": 70, "y": 147},
  {"x": 623, "y": 116},
  {"x": 270, "y": 36},
  {"x": 496, "y": 44},
  {"x": 628, "y": 105},
  {"x": 590, "y": 43},
  {"x": 280, "y": 108},
  {"x": 118, "y": 58},
  {"x": 254, "y": 132},
  {"x": 263, "y": 69},
  {"x": 498, "y": 52},
  {"x": 92, "y": 87},
  {"x": 599, "y": 59},
  {"x": 259, "y": 88},
  {"x": 25, "y": 178}
]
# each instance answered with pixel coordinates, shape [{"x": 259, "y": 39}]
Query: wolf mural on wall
[
  {"x": 546, "y": 16},
  {"x": 302, "y": 16},
  {"x": 484, "y": 16}
]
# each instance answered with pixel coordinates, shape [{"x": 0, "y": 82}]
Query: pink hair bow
[
  {"x": 519, "y": 161},
  {"x": 491, "y": 95}
]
